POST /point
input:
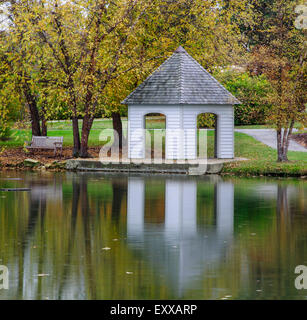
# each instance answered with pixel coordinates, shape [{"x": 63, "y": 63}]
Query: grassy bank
[
  {"x": 262, "y": 158},
  {"x": 60, "y": 128}
]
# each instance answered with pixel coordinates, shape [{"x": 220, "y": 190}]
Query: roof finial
[{"x": 180, "y": 49}]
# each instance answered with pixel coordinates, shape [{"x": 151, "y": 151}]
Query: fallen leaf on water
[
  {"x": 106, "y": 248},
  {"x": 43, "y": 274}
]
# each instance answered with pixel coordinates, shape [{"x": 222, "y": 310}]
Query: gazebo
[{"x": 181, "y": 89}]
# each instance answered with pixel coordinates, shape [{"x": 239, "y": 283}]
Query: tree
[
  {"x": 86, "y": 42},
  {"x": 91, "y": 54},
  {"x": 277, "y": 49},
  {"x": 281, "y": 55},
  {"x": 16, "y": 48},
  {"x": 9, "y": 97}
]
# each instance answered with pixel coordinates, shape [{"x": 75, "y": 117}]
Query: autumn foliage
[{"x": 79, "y": 59}]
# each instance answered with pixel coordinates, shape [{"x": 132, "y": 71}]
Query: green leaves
[{"x": 252, "y": 91}]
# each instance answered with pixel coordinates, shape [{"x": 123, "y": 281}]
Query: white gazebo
[{"x": 181, "y": 89}]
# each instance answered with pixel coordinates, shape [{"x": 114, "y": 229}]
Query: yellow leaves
[
  {"x": 79, "y": 52},
  {"x": 7, "y": 101}
]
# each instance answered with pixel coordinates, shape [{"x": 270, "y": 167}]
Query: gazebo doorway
[
  {"x": 155, "y": 131},
  {"x": 207, "y": 135}
]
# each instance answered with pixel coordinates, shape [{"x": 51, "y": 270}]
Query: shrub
[
  {"x": 206, "y": 120},
  {"x": 252, "y": 91},
  {"x": 4, "y": 130}
]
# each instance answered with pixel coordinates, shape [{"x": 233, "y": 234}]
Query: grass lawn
[
  {"x": 262, "y": 158},
  {"x": 61, "y": 128}
]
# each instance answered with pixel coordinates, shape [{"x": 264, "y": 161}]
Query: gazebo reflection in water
[{"x": 180, "y": 248}]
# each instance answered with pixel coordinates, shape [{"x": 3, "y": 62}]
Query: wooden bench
[{"x": 52, "y": 143}]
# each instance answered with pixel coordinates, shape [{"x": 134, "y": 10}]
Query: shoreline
[
  {"x": 60, "y": 166},
  {"x": 14, "y": 159}
]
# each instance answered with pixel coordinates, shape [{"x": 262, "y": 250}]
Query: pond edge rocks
[{"x": 212, "y": 166}]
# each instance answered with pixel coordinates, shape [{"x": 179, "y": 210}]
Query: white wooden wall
[{"x": 181, "y": 144}]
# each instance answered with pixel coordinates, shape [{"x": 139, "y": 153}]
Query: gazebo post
[{"x": 225, "y": 136}]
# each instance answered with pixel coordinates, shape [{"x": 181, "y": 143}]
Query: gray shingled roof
[{"x": 180, "y": 80}]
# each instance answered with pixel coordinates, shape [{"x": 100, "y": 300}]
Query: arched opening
[
  {"x": 155, "y": 125},
  {"x": 206, "y": 131}
]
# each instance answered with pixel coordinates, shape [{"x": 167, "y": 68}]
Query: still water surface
[{"x": 95, "y": 236}]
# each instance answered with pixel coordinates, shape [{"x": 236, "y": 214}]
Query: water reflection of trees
[
  {"x": 63, "y": 234},
  {"x": 273, "y": 242}
]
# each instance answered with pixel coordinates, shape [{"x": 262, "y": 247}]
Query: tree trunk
[
  {"x": 36, "y": 130},
  {"x": 31, "y": 101},
  {"x": 86, "y": 128},
  {"x": 117, "y": 126},
  {"x": 279, "y": 145},
  {"x": 76, "y": 134},
  {"x": 282, "y": 157},
  {"x": 289, "y": 133},
  {"x": 119, "y": 190},
  {"x": 44, "y": 123},
  {"x": 282, "y": 144},
  {"x": 44, "y": 128}
]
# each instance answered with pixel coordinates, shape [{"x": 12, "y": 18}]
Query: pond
[{"x": 99, "y": 236}]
